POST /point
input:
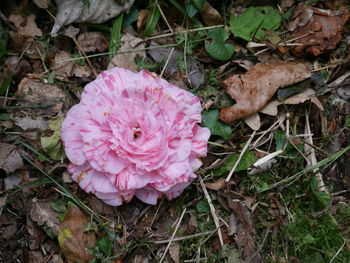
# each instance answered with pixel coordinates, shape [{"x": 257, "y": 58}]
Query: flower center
[{"x": 137, "y": 132}]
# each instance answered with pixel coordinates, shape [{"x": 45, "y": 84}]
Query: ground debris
[{"x": 10, "y": 159}]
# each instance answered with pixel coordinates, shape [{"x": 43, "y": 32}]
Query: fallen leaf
[
  {"x": 92, "y": 41},
  {"x": 12, "y": 181},
  {"x": 35, "y": 256},
  {"x": 253, "y": 89},
  {"x": 34, "y": 93},
  {"x": 253, "y": 121},
  {"x": 77, "y": 11},
  {"x": 127, "y": 59},
  {"x": 10, "y": 159},
  {"x": 26, "y": 26},
  {"x": 192, "y": 225},
  {"x": 217, "y": 48},
  {"x": 317, "y": 30},
  {"x": 64, "y": 66},
  {"x": 210, "y": 16},
  {"x": 27, "y": 123},
  {"x": 309, "y": 94},
  {"x": 217, "y": 185},
  {"x": 72, "y": 237},
  {"x": 247, "y": 160},
  {"x": 53, "y": 145},
  {"x": 174, "y": 252},
  {"x": 42, "y": 214}
]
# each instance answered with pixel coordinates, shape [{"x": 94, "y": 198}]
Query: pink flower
[{"x": 134, "y": 134}]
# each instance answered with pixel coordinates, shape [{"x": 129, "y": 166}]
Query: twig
[
  {"x": 240, "y": 156},
  {"x": 311, "y": 156},
  {"x": 260, "y": 247},
  {"x": 336, "y": 254},
  {"x": 172, "y": 237},
  {"x": 159, "y": 242},
  {"x": 212, "y": 209},
  {"x": 167, "y": 61},
  {"x": 164, "y": 17}
]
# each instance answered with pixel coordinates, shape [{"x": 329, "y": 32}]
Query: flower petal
[{"x": 148, "y": 196}]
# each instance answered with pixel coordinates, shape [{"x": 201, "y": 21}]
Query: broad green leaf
[
  {"x": 254, "y": 21},
  {"x": 216, "y": 126},
  {"x": 217, "y": 47},
  {"x": 59, "y": 205},
  {"x": 247, "y": 160},
  {"x": 52, "y": 145},
  {"x": 130, "y": 17},
  {"x": 105, "y": 245}
]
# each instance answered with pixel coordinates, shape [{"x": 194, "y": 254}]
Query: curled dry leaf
[
  {"x": 217, "y": 185},
  {"x": 210, "y": 16},
  {"x": 92, "y": 41},
  {"x": 134, "y": 47},
  {"x": 27, "y": 123},
  {"x": 26, "y": 26},
  {"x": 308, "y": 94},
  {"x": 64, "y": 66},
  {"x": 72, "y": 237},
  {"x": 42, "y": 3},
  {"x": 318, "y": 30},
  {"x": 34, "y": 93},
  {"x": 10, "y": 160},
  {"x": 253, "y": 89},
  {"x": 70, "y": 11}
]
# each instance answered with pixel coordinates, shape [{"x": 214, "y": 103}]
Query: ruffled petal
[
  {"x": 200, "y": 141},
  {"x": 148, "y": 196}
]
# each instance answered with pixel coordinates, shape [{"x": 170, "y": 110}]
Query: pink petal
[
  {"x": 176, "y": 190},
  {"x": 101, "y": 183},
  {"x": 148, "y": 196},
  {"x": 200, "y": 141}
]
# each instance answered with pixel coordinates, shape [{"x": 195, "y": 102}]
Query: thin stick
[
  {"x": 172, "y": 237},
  {"x": 159, "y": 242},
  {"x": 167, "y": 61},
  {"x": 165, "y": 20},
  {"x": 212, "y": 210},
  {"x": 240, "y": 156},
  {"x": 336, "y": 254}
]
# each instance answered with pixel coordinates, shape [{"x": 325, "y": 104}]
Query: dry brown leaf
[
  {"x": 10, "y": 159},
  {"x": 65, "y": 67},
  {"x": 92, "y": 41},
  {"x": 34, "y": 92},
  {"x": 308, "y": 94},
  {"x": 253, "y": 89},
  {"x": 76, "y": 11},
  {"x": 42, "y": 3},
  {"x": 217, "y": 185},
  {"x": 174, "y": 252},
  {"x": 318, "y": 30},
  {"x": 127, "y": 59},
  {"x": 26, "y": 26},
  {"x": 42, "y": 214},
  {"x": 253, "y": 121},
  {"x": 141, "y": 20},
  {"x": 72, "y": 237},
  {"x": 210, "y": 16}
]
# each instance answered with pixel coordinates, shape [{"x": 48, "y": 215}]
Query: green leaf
[
  {"x": 202, "y": 207},
  {"x": 193, "y": 6},
  {"x": 116, "y": 35},
  {"x": 247, "y": 160},
  {"x": 105, "y": 245},
  {"x": 152, "y": 19},
  {"x": 217, "y": 47},
  {"x": 347, "y": 121},
  {"x": 59, "y": 205},
  {"x": 254, "y": 21},
  {"x": 280, "y": 139},
  {"x": 216, "y": 126},
  {"x": 52, "y": 145},
  {"x": 5, "y": 117},
  {"x": 130, "y": 17}
]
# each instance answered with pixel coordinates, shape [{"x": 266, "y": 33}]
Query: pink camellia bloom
[{"x": 134, "y": 134}]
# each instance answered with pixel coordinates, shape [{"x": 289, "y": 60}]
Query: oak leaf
[{"x": 253, "y": 89}]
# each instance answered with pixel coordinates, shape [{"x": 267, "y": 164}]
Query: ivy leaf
[
  {"x": 254, "y": 21},
  {"x": 216, "y": 126},
  {"x": 217, "y": 48},
  {"x": 105, "y": 245}
]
